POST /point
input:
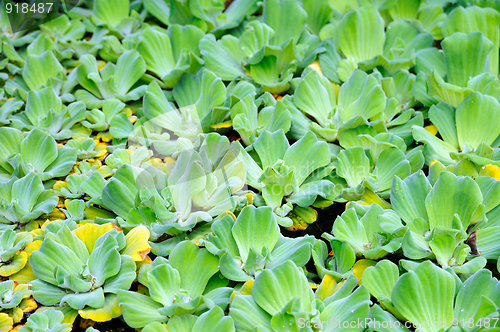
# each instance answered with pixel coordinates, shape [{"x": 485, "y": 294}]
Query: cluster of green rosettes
[{"x": 154, "y": 154}]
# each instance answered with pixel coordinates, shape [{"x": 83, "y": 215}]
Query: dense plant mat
[{"x": 284, "y": 165}]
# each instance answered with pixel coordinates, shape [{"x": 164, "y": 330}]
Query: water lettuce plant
[
  {"x": 286, "y": 173},
  {"x": 273, "y": 165},
  {"x": 176, "y": 287},
  {"x": 98, "y": 261},
  {"x": 15, "y": 301},
  {"x": 244, "y": 254},
  {"x": 23, "y": 201}
]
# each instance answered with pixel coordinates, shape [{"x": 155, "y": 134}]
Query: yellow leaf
[
  {"x": 328, "y": 287},
  {"x": 59, "y": 185},
  {"x": 250, "y": 198},
  {"x": 15, "y": 265},
  {"x": 360, "y": 267},
  {"x": 56, "y": 214},
  {"x": 89, "y": 233},
  {"x": 146, "y": 261},
  {"x": 128, "y": 111},
  {"x": 100, "y": 149},
  {"x": 24, "y": 276},
  {"x": 137, "y": 243},
  {"x": 35, "y": 245},
  {"x": 491, "y": 171},
  {"x": 106, "y": 171},
  {"x": 16, "y": 314},
  {"x": 5, "y": 322},
  {"x": 336, "y": 89},
  {"x": 222, "y": 125},
  {"x": 228, "y": 213},
  {"x": 169, "y": 160},
  {"x": 105, "y": 137},
  {"x": 69, "y": 313},
  {"x": 101, "y": 64},
  {"x": 431, "y": 129},
  {"x": 21, "y": 289},
  {"x": 315, "y": 65},
  {"x": 246, "y": 289},
  {"x": 369, "y": 197},
  {"x": 28, "y": 305},
  {"x": 110, "y": 310}
]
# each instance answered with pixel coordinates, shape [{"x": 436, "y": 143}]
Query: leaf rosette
[{"x": 82, "y": 270}]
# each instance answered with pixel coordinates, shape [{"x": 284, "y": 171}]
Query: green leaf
[
  {"x": 120, "y": 191},
  {"x": 124, "y": 278},
  {"x": 286, "y": 18},
  {"x": 104, "y": 261},
  {"x": 380, "y": 279},
  {"x": 360, "y": 34},
  {"x": 442, "y": 207},
  {"x": 405, "y": 10},
  {"x": 94, "y": 299},
  {"x": 487, "y": 242},
  {"x": 129, "y": 69},
  {"x": 353, "y": 308},
  {"x": 477, "y": 120},
  {"x": 39, "y": 69},
  {"x": 477, "y": 298},
  {"x": 465, "y": 56},
  {"x": 139, "y": 310},
  {"x": 430, "y": 59},
  {"x": 349, "y": 228},
  {"x": 470, "y": 19},
  {"x": 434, "y": 148},
  {"x": 248, "y": 316},
  {"x": 391, "y": 162},
  {"x": 274, "y": 289},
  {"x": 45, "y": 293},
  {"x": 255, "y": 228},
  {"x": 353, "y": 165},
  {"x": 315, "y": 96},
  {"x": 153, "y": 43},
  {"x": 205, "y": 90},
  {"x": 182, "y": 323},
  {"x": 46, "y": 260},
  {"x": 271, "y": 147},
  {"x": 10, "y": 141},
  {"x": 361, "y": 95},
  {"x": 159, "y": 9},
  {"x": 40, "y": 103},
  {"x": 408, "y": 196},
  {"x": 425, "y": 295},
  {"x": 26, "y": 192},
  {"x": 168, "y": 55},
  {"x": 214, "y": 321},
  {"x": 38, "y": 150},
  {"x": 222, "y": 57},
  {"x": 305, "y": 156},
  {"x": 111, "y": 12},
  {"x": 273, "y": 67},
  {"x": 378, "y": 315},
  {"x": 443, "y": 116},
  {"x": 195, "y": 266},
  {"x": 163, "y": 283},
  {"x": 318, "y": 14}
]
